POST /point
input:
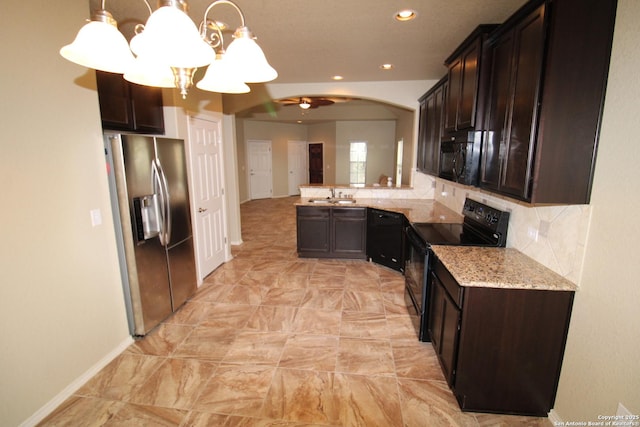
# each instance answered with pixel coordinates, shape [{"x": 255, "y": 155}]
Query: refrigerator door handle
[
  {"x": 166, "y": 203},
  {"x": 159, "y": 189}
]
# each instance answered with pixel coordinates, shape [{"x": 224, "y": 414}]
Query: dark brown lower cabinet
[
  {"x": 500, "y": 349},
  {"x": 349, "y": 232},
  {"x": 313, "y": 231},
  {"x": 331, "y": 232},
  {"x": 444, "y": 327}
]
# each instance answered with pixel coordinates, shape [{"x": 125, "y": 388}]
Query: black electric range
[{"x": 482, "y": 225}]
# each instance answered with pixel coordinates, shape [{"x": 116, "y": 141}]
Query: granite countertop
[
  {"x": 416, "y": 210},
  {"x": 507, "y": 268}
]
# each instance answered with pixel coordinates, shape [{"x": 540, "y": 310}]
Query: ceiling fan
[{"x": 308, "y": 102}]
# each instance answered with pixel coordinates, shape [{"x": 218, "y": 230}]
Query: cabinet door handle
[{"x": 202, "y": 210}]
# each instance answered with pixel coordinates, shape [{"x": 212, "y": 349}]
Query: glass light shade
[
  {"x": 145, "y": 72},
  {"x": 246, "y": 57},
  {"x": 100, "y": 46},
  {"x": 170, "y": 38},
  {"x": 220, "y": 78}
]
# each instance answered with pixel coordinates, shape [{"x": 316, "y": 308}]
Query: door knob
[{"x": 201, "y": 210}]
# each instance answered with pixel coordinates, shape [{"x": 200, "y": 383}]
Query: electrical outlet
[
  {"x": 532, "y": 233},
  {"x": 544, "y": 228}
]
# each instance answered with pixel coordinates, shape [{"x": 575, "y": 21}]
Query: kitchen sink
[{"x": 333, "y": 201}]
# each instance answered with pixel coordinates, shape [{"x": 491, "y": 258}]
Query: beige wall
[
  {"x": 243, "y": 183},
  {"x": 405, "y": 131},
  {"x": 403, "y": 94},
  {"x": 279, "y": 134},
  {"x": 61, "y": 302},
  {"x": 380, "y": 138},
  {"x": 336, "y": 136},
  {"x": 326, "y": 133}
]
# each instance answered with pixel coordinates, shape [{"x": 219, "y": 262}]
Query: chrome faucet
[{"x": 333, "y": 193}]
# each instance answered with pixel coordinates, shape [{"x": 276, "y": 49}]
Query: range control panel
[{"x": 485, "y": 216}]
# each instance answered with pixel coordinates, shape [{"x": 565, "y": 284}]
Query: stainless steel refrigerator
[{"x": 150, "y": 201}]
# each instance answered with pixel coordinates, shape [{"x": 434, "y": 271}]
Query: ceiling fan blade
[
  {"x": 313, "y": 101},
  {"x": 320, "y": 102}
]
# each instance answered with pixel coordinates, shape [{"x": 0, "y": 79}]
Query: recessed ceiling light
[
  {"x": 386, "y": 67},
  {"x": 405, "y": 15},
  {"x": 337, "y": 77}
]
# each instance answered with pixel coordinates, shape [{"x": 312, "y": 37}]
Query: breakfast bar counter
[{"x": 415, "y": 210}]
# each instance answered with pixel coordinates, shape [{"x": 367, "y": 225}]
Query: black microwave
[{"x": 460, "y": 158}]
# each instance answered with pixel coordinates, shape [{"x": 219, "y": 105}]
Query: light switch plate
[{"x": 96, "y": 217}]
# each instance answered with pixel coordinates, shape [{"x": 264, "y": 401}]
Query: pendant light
[
  {"x": 169, "y": 49},
  {"x": 245, "y": 55},
  {"x": 170, "y": 38},
  {"x": 99, "y": 45},
  {"x": 220, "y": 77}
]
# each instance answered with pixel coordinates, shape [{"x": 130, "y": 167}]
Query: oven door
[
  {"x": 474, "y": 236},
  {"x": 416, "y": 278}
]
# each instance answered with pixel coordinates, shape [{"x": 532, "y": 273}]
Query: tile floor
[{"x": 274, "y": 340}]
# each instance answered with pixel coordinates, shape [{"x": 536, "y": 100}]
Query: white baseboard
[
  {"x": 68, "y": 391},
  {"x": 555, "y": 419}
]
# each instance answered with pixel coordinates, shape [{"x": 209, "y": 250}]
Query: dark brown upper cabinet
[
  {"x": 548, "y": 70},
  {"x": 126, "y": 106},
  {"x": 431, "y": 128},
  {"x": 463, "y": 106}
]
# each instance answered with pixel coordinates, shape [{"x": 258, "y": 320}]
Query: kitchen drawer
[
  {"x": 454, "y": 290},
  {"x": 322, "y": 212},
  {"x": 350, "y": 212}
]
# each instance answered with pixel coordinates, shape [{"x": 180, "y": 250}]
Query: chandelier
[{"x": 169, "y": 48}]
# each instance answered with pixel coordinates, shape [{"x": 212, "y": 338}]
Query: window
[{"x": 357, "y": 163}]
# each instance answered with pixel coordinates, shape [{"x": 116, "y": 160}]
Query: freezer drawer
[{"x": 182, "y": 272}]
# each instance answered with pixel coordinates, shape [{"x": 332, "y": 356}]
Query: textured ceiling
[
  {"x": 309, "y": 41},
  {"x": 312, "y": 40}
]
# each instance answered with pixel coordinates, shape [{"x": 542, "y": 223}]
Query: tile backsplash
[{"x": 554, "y": 236}]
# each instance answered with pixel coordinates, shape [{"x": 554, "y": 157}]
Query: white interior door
[
  {"x": 260, "y": 175},
  {"x": 298, "y": 163},
  {"x": 207, "y": 200}
]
